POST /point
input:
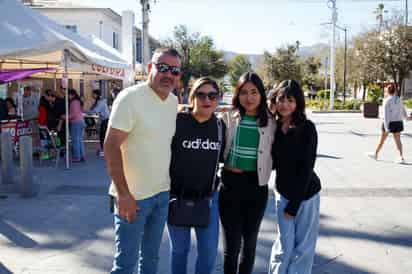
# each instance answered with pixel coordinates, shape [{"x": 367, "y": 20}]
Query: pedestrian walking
[
  {"x": 243, "y": 194},
  {"x": 196, "y": 152},
  {"x": 393, "y": 115},
  {"x": 137, "y": 152},
  {"x": 297, "y": 185}
]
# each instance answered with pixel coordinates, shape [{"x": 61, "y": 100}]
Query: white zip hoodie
[{"x": 393, "y": 110}]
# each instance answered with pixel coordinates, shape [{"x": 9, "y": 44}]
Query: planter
[{"x": 371, "y": 110}]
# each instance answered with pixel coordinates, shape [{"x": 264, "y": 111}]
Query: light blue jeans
[
  {"x": 138, "y": 243},
  {"x": 76, "y": 135},
  {"x": 207, "y": 243},
  {"x": 294, "y": 248}
]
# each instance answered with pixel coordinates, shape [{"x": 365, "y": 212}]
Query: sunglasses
[
  {"x": 211, "y": 95},
  {"x": 163, "y": 68}
]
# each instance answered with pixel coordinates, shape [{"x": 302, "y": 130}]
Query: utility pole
[
  {"x": 145, "y": 32},
  {"x": 326, "y": 72},
  {"x": 406, "y": 12},
  {"x": 345, "y": 61},
  {"x": 332, "y": 6}
]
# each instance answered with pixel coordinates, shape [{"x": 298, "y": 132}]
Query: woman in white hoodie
[{"x": 393, "y": 115}]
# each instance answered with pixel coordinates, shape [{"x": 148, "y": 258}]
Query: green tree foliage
[
  {"x": 284, "y": 64},
  {"x": 237, "y": 66},
  {"x": 199, "y": 56},
  {"x": 394, "y": 53},
  {"x": 311, "y": 78}
]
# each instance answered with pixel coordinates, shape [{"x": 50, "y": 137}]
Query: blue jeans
[
  {"x": 76, "y": 135},
  {"x": 207, "y": 243},
  {"x": 138, "y": 243},
  {"x": 294, "y": 248}
]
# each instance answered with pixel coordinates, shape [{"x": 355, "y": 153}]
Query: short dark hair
[
  {"x": 201, "y": 82},
  {"x": 291, "y": 88},
  {"x": 167, "y": 51},
  {"x": 252, "y": 77}
]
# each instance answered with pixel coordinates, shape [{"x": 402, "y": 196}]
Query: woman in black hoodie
[{"x": 196, "y": 149}]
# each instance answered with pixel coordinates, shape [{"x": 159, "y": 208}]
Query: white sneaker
[
  {"x": 372, "y": 155},
  {"x": 400, "y": 161}
]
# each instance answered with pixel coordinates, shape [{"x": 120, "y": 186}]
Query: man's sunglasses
[
  {"x": 163, "y": 68},
  {"x": 211, "y": 95}
]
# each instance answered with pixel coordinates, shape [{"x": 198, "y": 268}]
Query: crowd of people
[
  {"x": 50, "y": 113},
  {"x": 192, "y": 168}
]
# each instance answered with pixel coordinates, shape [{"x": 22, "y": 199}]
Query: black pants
[
  {"x": 102, "y": 133},
  {"x": 242, "y": 204}
]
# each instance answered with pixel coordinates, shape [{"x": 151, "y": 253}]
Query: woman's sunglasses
[{"x": 211, "y": 95}]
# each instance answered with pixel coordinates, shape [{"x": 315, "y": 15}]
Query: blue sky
[{"x": 254, "y": 26}]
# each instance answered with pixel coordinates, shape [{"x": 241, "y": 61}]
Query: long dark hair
[
  {"x": 291, "y": 88},
  {"x": 76, "y": 96},
  {"x": 98, "y": 93},
  {"x": 262, "y": 113}
]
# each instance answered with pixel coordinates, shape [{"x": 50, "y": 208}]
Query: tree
[
  {"x": 284, "y": 64},
  {"x": 395, "y": 53},
  {"x": 368, "y": 68},
  {"x": 199, "y": 57},
  {"x": 311, "y": 78},
  {"x": 237, "y": 66}
]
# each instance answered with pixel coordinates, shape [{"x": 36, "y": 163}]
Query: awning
[{"x": 17, "y": 74}]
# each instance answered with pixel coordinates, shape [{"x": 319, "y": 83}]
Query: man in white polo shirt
[{"x": 137, "y": 152}]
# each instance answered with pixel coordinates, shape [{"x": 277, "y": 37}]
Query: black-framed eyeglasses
[
  {"x": 163, "y": 68},
  {"x": 211, "y": 95}
]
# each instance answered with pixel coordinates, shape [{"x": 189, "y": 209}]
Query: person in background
[
  {"x": 3, "y": 110},
  {"x": 11, "y": 109},
  {"x": 100, "y": 107},
  {"x": 243, "y": 194},
  {"x": 200, "y": 125},
  {"x": 30, "y": 104},
  {"x": 44, "y": 107},
  {"x": 297, "y": 185},
  {"x": 393, "y": 115},
  {"x": 76, "y": 122},
  {"x": 271, "y": 101},
  {"x": 58, "y": 109}
]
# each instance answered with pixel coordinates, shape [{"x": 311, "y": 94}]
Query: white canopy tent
[{"x": 29, "y": 39}]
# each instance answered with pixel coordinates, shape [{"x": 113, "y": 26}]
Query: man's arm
[{"x": 125, "y": 201}]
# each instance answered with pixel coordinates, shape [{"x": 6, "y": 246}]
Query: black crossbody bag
[{"x": 193, "y": 212}]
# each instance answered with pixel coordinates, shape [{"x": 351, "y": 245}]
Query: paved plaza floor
[{"x": 366, "y": 223}]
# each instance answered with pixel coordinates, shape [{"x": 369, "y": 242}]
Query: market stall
[{"x": 30, "y": 40}]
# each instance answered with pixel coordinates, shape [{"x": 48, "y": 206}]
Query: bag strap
[{"x": 219, "y": 138}]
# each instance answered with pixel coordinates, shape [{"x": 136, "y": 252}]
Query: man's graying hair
[{"x": 165, "y": 51}]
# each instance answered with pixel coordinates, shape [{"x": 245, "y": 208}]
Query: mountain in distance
[{"x": 304, "y": 51}]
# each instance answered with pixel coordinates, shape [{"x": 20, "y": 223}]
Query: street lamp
[{"x": 145, "y": 31}]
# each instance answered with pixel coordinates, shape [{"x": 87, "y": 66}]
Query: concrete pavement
[{"x": 366, "y": 225}]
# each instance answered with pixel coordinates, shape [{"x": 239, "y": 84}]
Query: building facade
[{"x": 103, "y": 23}]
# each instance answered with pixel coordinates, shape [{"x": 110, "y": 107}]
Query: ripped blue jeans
[{"x": 294, "y": 248}]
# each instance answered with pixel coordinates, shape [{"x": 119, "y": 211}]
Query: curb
[{"x": 336, "y": 111}]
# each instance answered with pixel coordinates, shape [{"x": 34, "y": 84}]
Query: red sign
[
  {"x": 116, "y": 72},
  {"x": 18, "y": 128}
]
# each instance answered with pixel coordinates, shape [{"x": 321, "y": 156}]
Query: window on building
[
  {"x": 139, "y": 50},
  {"x": 73, "y": 28},
  {"x": 115, "y": 40}
]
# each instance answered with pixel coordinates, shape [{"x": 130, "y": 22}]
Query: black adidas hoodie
[{"x": 194, "y": 153}]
